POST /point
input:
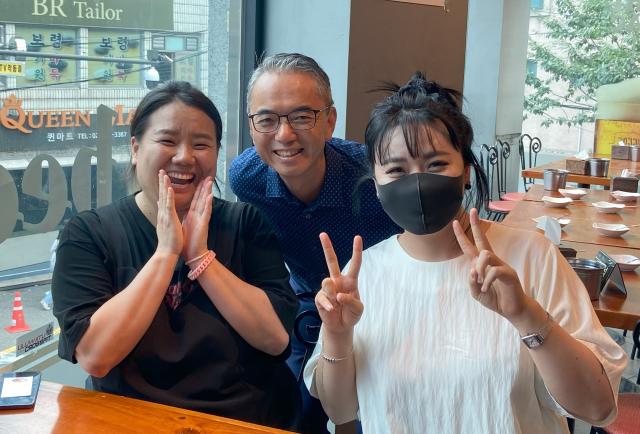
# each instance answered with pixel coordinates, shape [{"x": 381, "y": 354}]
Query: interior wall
[
  {"x": 482, "y": 67},
  {"x": 390, "y": 40},
  {"x": 319, "y": 29},
  {"x": 513, "y": 67}
]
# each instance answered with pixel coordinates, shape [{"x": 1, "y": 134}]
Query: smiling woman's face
[
  {"x": 181, "y": 140},
  {"x": 436, "y": 155}
]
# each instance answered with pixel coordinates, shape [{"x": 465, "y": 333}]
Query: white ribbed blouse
[{"x": 431, "y": 359}]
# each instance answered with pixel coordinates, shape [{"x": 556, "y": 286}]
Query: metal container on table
[
  {"x": 555, "y": 179},
  {"x": 634, "y": 153},
  {"x": 598, "y": 166},
  {"x": 590, "y": 272}
]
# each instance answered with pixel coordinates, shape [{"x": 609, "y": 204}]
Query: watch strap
[{"x": 537, "y": 338}]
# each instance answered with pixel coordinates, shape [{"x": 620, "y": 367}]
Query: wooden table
[
  {"x": 615, "y": 169},
  {"x": 582, "y": 216},
  {"x": 537, "y": 191},
  {"x": 613, "y": 308},
  {"x": 64, "y": 409}
]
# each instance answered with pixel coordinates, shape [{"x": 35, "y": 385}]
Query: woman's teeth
[{"x": 180, "y": 178}]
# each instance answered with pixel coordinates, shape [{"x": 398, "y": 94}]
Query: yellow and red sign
[
  {"x": 8, "y": 67},
  {"x": 609, "y": 132}
]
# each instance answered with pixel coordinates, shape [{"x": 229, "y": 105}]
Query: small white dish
[
  {"x": 626, "y": 262},
  {"x": 611, "y": 230},
  {"x": 556, "y": 202},
  {"x": 572, "y": 193},
  {"x": 608, "y": 207},
  {"x": 562, "y": 220},
  {"x": 625, "y": 196}
]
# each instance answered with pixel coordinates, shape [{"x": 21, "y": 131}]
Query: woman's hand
[
  {"x": 338, "y": 301},
  {"x": 492, "y": 281},
  {"x": 168, "y": 226},
  {"x": 195, "y": 225}
]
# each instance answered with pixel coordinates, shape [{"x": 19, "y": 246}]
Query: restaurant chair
[
  {"x": 623, "y": 183},
  {"x": 496, "y": 209},
  {"x": 505, "y": 153},
  {"x": 528, "y": 148},
  {"x": 628, "y": 420},
  {"x": 307, "y": 329}
]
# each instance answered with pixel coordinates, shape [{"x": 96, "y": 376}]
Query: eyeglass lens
[{"x": 299, "y": 120}]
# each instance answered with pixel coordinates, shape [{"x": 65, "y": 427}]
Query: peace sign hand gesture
[
  {"x": 338, "y": 301},
  {"x": 492, "y": 281}
]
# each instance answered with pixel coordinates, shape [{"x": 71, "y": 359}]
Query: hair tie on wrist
[
  {"x": 197, "y": 258},
  {"x": 196, "y": 272}
]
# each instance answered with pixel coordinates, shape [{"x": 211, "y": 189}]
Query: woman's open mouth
[{"x": 181, "y": 178}]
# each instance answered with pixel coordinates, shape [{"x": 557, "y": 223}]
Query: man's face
[{"x": 295, "y": 155}]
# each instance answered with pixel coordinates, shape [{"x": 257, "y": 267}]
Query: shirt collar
[{"x": 333, "y": 192}]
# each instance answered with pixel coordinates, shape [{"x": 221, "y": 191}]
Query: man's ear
[
  {"x": 251, "y": 132},
  {"x": 332, "y": 116}
]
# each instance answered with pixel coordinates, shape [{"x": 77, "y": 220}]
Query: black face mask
[{"x": 422, "y": 203}]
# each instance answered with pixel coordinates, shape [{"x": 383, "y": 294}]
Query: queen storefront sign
[{"x": 80, "y": 134}]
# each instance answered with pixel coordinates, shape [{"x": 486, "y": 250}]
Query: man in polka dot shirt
[{"x": 304, "y": 180}]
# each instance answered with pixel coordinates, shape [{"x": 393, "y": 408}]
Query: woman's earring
[{"x": 467, "y": 186}]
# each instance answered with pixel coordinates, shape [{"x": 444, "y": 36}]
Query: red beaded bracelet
[{"x": 206, "y": 261}]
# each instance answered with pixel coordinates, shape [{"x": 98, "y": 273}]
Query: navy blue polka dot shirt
[{"x": 341, "y": 210}]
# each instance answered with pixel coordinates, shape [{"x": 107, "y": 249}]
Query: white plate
[
  {"x": 562, "y": 220},
  {"x": 556, "y": 202},
  {"x": 573, "y": 193},
  {"x": 608, "y": 207},
  {"x": 625, "y": 196},
  {"x": 626, "y": 262},
  {"x": 611, "y": 230}
]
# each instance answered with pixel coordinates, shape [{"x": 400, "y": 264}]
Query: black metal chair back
[
  {"x": 504, "y": 153},
  {"x": 489, "y": 162},
  {"x": 528, "y": 148}
]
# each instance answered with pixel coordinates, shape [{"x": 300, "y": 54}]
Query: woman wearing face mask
[
  {"x": 456, "y": 325},
  {"x": 167, "y": 296}
]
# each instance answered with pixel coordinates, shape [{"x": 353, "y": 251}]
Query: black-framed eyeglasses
[{"x": 298, "y": 120}]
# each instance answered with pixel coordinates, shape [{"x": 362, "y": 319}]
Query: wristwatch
[{"x": 535, "y": 339}]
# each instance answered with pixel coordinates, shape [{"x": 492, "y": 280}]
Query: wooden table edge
[
  {"x": 49, "y": 387},
  {"x": 571, "y": 177}
]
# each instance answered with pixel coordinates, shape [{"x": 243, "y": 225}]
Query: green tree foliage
[{"x": 586, "y": 44}]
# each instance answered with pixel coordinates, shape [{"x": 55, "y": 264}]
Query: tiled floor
[{"x": 629, "y": 376}]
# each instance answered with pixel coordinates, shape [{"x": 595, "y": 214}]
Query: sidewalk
[{"x": 34, "y": 314}]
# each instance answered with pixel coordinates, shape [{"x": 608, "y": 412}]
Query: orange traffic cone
[{"x": 17, "y": 317}]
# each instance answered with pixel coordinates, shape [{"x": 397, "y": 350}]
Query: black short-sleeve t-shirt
[{"x": 189, "y": 357}]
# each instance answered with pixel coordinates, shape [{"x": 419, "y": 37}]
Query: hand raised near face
[
  {"x": 492, "y": 281},
  {"x": 195, "y": 225},
  {"x": 168, "y": 226},
  {"x": 338, "y": 301}
]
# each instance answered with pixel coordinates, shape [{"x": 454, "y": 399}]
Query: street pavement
[{"x": 35, "y": 315}]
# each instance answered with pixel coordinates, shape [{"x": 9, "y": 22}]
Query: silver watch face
[{"x": 532, "y": 341}]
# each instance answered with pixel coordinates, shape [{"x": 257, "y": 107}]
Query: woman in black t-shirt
[{"x": 165, "y": 296}]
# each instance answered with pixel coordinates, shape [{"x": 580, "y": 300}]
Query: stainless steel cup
[
  {"x": 555, "y": 179},
  {"x": 598, "y": 166},
  {"x": 635, "y": 153},
  {"x": 590, "y": 272}
]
